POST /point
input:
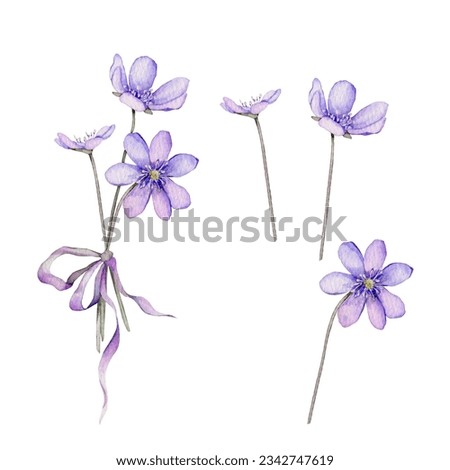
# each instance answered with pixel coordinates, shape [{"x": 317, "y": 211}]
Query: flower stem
[
  {"x": 327, "y": 199},
  {"x": 324, "y": 352},
  {"x": 116, "y": 194},
  {"x": 266, "y": 174},
  {"x": 116, "y": 213},
  {"x": 99, "y": 196}
]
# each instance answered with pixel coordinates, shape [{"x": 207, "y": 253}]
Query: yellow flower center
[
  {"x": 154, "y": 175},
  {"x": 368, "y": 284}
]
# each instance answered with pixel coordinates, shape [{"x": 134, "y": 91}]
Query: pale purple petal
[
  {"x": 143, "y": 303},
  {"x": 231, "y": 106},
  {"x": 375, "y": 256},
  {"x": 377, "y": 316},
  {"x": 350, "y": 311},
  {"x": 132, "y": 102},
  {"x": 258, "y": 107},
  {"x": 170, "y": 91},
  {"x": 90, "y": 144},
  {"x": 117, "y": 74},
  {"x": 395, "y": 274},
  {"x": 373, "y": 129},
  {"x": 177, "y": 103},
  {"x": 110, "y": 350},
  {"x": 331, "y": 126},
  {"x": 271, "y": 96},
  {"x": 67, "y": 143},
  {"x": 180, "y": 165},
  {"x": 76, "y": 301},
  {"x": 337, "y": 283},
  {"x": 142, "y": 74},
  {"x": 47, "y": 277},
  {"x": 106, "y": 131},
  {"x": 317, "y": 99},
  {"x": 178, "y": 196},
  {"x": 136, "y": 201},
  {"x": 393, "y": 305},
  {"x": 160, "y": 146},
  {"x": 369, "y": 115},
  {"x": 137, "y": 149},
  {"x": 122, "y": 173},
  {"x": 351, "y": 258},
  {"x": 341, "y": 98},
  {"x": 161, "y": 203}
]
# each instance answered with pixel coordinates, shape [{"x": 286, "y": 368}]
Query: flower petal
[
  {"x": 67, "y": 143},
  {"x": 337, "y": 283},
  {"x": 395, "y": 274},
  {"x": 137, "y": 149},
  {"x": 118, "y": 75},
  {"x": 351, "y": 258},
  {"x": 143, "y": 303},
  {"x": 377, "y": 315},
  {"x": 375, "y": 256},
  {"x": 369, "y": 115},
  {"x": 271, "y": 96},
  {"x": 331, "y": 126},
  {"x": 317, "y": 99},
  {"x": 231, "y": 106},
  {"x": 178, "y": 196},
  {"x": 341, "y": 98},
  {"x": 106, "y": 131},
  {"x": 180, "y": 165},
  {"x": 142, "y": 74},
  {"x": 350, "y": 311},
  {"x": 110, "y": 350},
  {"x": 372, "y": 129},
  {"x": 122, "y": 173},
  {"x": 177, "y": 103},
  {"x": 47, "y": 277},
  {"x": 136, "y": 201},
  {"x": 92, "y": 143},
  {"x": 258, "y": 107},
  {"x": 161, "y": 203},
  {"x": 132, "y": 102},
  {"x": 160, "y": 147},
  {"x": 170, "y": 91},
  {"x": 393, "y": 305}
]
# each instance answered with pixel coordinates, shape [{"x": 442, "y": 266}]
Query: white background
[{"x": 234, "y": 373}]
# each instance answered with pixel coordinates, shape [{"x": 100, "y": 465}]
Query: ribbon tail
[
  {"x": 142, "y": 302},
  {"x": 110, "y": 349}
]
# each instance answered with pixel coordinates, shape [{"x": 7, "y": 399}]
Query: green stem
[
  {"x": 99, "y": 196},
  {"x": 266, "y": 174},
  {"x": 324, "y": 352},
  {"x": 327, "y": 200}
]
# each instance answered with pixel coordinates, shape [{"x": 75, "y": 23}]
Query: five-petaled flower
[
  {"x": 152, "y": 175},
  {"x": 367, "y": 284},
  {"x": 253, "y": 107},
  {"x": 87, "y": 143},
  {"x": 336, "y": 117},
  {"x": 136, "y": 90}
]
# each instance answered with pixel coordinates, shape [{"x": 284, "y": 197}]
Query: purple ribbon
[{"x": 105, "y": 261}]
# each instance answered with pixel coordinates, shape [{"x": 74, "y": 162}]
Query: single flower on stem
[
  {"x": 252, "y": 109},
  {"x": 136, "y": 90},
  {"x": 152, "y": 175},
  {"x": 104, "y": 262},
  {"x": 364, "y": 286},
  {"x": 87, "y": 143},
  {"x": 337, "y": 119}
]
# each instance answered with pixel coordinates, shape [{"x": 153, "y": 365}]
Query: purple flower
[
  {"x": 105, "y": 261},
  {"x": 87, "y": 143},
  {"x": 337, "y": 119},
  {"x": 136, "y": 91},
  {"x": 253, "y": 107},
  {"x": 152, "y": 175},
  {"x": 367, "y": 283}
]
